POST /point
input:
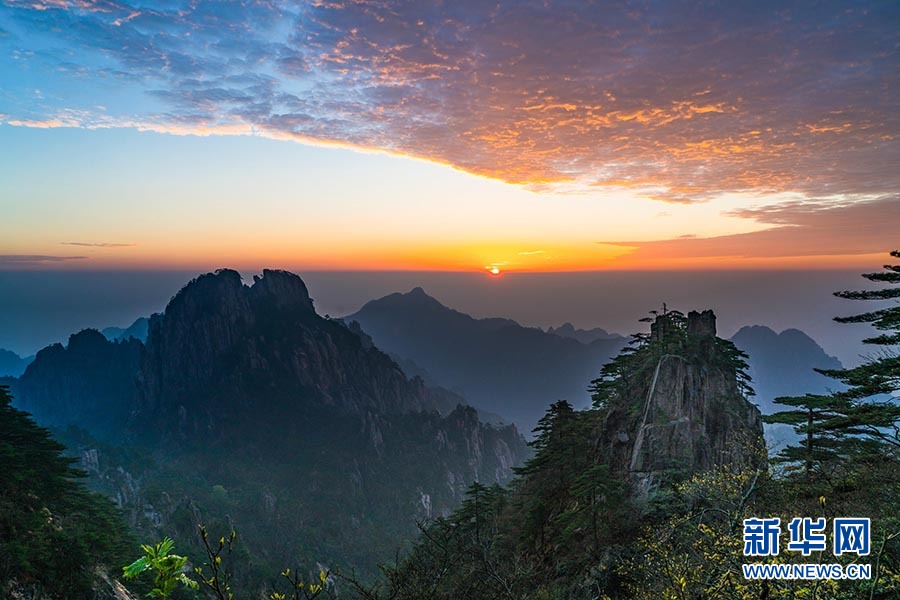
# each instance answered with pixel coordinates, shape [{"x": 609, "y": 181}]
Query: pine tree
[
  {"x": 52, "y": 530},
  {"x": 865, "y": 416},
  {"x": 812, "y": 418}
]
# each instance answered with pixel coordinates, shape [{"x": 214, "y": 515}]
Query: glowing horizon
[{"x": 373, "y": 136}]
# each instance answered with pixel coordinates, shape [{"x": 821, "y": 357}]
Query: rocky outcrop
[
  {"x": 223, "y": 351},
  {"x": 105, "y": 588},
  {"x": 89, "y": 383},
  {"x": 686, "y": 412}
]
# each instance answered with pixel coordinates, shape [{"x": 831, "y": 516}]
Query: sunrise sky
[{"x": 465, "y": 136}]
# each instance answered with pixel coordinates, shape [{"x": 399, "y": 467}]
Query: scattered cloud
[
  {"x": 98, "y": 244},
  {"x": 681, "y": 103}
]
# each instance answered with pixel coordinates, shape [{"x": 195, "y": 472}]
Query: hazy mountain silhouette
[
  {"x": 495, "y": 363},
  {"x": 137, "y": 330},
  {"x": 781, "y": 364},
  {"x": 585, "y": 336},
  {"x": 518, "y": 371},
  {"x": 11, "y": 364},
  {"x": 88, "y": 383}
]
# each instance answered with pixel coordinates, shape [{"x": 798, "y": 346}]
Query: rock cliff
[
  {"x": 685, "y": 408},
  {"x": 223, "y": 351}
]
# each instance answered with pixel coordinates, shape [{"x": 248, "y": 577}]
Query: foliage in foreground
[
  {"x": 172, "y": 573},
  {"x": 53, "y": 531}
]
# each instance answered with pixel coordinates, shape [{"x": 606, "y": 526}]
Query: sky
[{"x": 448, "y": 136}]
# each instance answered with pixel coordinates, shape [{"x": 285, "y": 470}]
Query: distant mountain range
[
  {"x": 360, "y": 422},
  {"x": 585, "y": 336},
  {"x": 781, "y": 364},
  {"x": 11, "y": 364},
  {"x": 497, "y": 364},
  {"x": 137, "y": 330}
]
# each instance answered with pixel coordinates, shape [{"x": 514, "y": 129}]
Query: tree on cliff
[{"x": 53, "y": 532}]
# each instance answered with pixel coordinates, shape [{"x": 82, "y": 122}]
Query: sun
[{"x": 494, "y": 270}]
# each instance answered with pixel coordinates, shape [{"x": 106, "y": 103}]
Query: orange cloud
[{"x": 836, "y": 234}]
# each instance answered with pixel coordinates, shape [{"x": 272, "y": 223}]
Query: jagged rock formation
[
  {"x": 223, "y": 351},
  {"x": 685, "y": 409},
  {"x": 670, "y": 406},
  {"x": 88, "y": 383},
  {"x": 247, "y": 409}
]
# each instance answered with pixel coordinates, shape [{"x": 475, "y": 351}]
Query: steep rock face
[
  {"x": 88, "y": 383},
  {"x": 686, "y": 411},
  {"x": 222, "y": 349},
  {"x": 694, "y": 418}
]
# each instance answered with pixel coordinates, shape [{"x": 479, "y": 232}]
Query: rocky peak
[
  {"x": 86, "y": 341},
  {"x": 685, "y": 409},
  {"x": 223, "y": 349},
  {"x": 283, "y": 289},
  {"x": 701, "y": 324}
]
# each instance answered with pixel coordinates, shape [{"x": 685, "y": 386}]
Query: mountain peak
[
  {"x": 756, "y": 332},
  {"x": 219, "y": 343},
  {"x": 585, "y": 336},
  {"x": 792, "y": 338},
  {"x": 415, "y": 299},
  {"x": 86, "y": 340},
  {"x": 418, "y": 294},
  {"x": 284, "y": 289},
  {"x": 782, "y": 364}
]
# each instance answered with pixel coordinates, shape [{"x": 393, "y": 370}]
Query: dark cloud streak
[
  {"x": 99, "y": 244},
  {"x": 13, "y": 260}
]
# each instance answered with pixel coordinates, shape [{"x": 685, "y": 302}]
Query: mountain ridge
[{"x": 491, "y": 361}]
